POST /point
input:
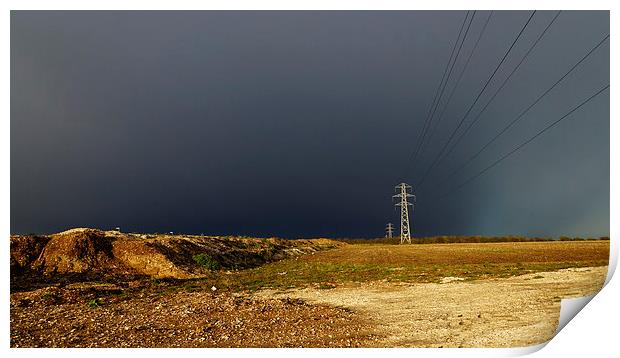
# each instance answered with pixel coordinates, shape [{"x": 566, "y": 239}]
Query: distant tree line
[{"x": 465, "y": 239}]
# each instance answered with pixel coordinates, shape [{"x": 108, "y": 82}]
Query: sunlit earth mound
[
  {"x": 77, "y": 251},
  {"x": 107, "y": 253}
]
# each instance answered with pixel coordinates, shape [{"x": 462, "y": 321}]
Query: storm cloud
[{"x": 299, "y": 124}]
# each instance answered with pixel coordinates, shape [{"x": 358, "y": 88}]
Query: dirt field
[
  {"x": 452, "y": 254},
  {"x": 298, "y": 294}
]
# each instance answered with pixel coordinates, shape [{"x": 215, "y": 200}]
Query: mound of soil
[
  {"x": 77, "y": 251},
  {"x": 24, "y": 250},
  {"x": 86, "y": 252}
]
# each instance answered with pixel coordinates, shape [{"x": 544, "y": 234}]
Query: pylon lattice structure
[
  {"x": 403, "y": 194},
  {"x": 389, "y": 230}
]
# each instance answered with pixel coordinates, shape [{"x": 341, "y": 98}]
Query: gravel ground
[
  {"x": 514, "y": 312},
  {"x": 63, "y": 317}
]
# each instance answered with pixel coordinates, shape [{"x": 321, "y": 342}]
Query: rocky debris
[
  {"x": 92, "y": 288},
  {"x": 61, "y": 317},
  {"x": 63, "y": 294},
  {"x": 26, "y": 249},
  {"x": 451, "y": 279},
  {"x": 85, "y": 251},
  {"x": 143, "y": 257}
]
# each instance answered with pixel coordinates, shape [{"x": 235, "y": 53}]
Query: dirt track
[{"x": 518, "y": 311}]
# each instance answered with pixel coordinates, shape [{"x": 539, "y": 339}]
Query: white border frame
[{"x": 592, "y": 331}]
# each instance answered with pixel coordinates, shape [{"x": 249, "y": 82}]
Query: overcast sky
[{"x": 299, "y": 124}]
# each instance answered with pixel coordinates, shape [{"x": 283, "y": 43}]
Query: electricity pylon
[
  {"x": 403, "y": 193},
  {"x": 389, "y": 229}
]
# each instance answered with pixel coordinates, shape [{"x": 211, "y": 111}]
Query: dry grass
[{"x": 353, "y": 264}]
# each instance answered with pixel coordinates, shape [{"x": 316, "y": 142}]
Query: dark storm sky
[{"x": 299, "y": 124}]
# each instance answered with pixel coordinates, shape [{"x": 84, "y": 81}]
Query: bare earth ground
[
  {"x": 513, "y": 312},
  {"x": 89, "y": 288},
  {"x": 182, "y": 319}
]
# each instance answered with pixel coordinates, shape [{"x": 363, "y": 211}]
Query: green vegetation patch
[
  {"x": 356, "y": 264},
  {"x": 206, "y": 261}
]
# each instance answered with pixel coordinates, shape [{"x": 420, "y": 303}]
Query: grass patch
[
  {"x": 354, "y": 264},
  {"x": 327, "y": 276},
  {"x": 206, "y": 261}
]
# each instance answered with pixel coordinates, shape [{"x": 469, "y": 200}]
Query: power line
[
  {"x": 500, "y": 133},
  {"x": 421, "y": 143},
  {"x": 475, "y": 101},
  {"x": 460, "y": 76},
  {"x": 435, "y": 98},
  {"x": 458, "y": 139},
  {"x": 514, "y": 150},
  {"x": 444, "y": 87}
]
